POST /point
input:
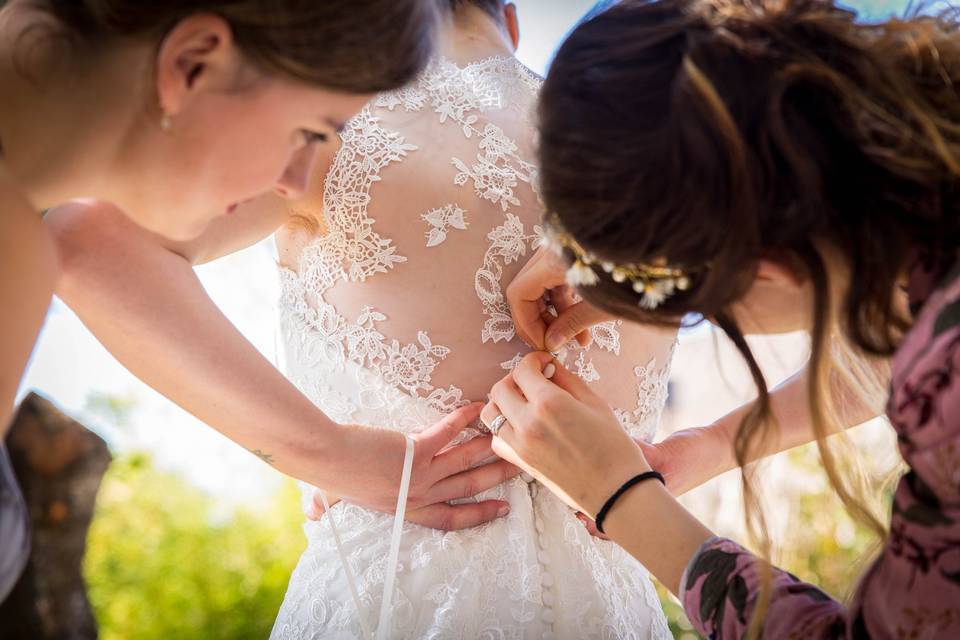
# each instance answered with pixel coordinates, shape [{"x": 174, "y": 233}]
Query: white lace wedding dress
[{"x": 394, "y": 315}]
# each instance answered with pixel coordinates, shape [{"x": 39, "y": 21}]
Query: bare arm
[
  {"x": 691, "y": 457},
  {"x": 140, "y": 297},
  {"x": 28, "y": 269}
]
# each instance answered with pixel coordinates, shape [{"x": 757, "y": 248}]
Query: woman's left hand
[
  {"x": 562, "y": 433},
  {"x": 545, "y": 273}
]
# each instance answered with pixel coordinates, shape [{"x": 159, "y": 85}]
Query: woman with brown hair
[
  {"x": 175, "y": 112},
  {"x": 771, "y": 166}
]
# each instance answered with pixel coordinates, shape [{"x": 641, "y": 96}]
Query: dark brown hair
[
  {"x": 717, "y": 133},
  {"x": 492, "y": 7},
  {"x": 357, "y": 47}
]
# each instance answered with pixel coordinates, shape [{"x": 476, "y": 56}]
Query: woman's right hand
[{"x": 441, "y": 473}]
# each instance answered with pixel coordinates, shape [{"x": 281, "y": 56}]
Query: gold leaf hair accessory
[{"x": 655, "y": 282}]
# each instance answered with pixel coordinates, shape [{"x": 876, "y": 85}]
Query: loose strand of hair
[
  {"x": 751, "y": 437},
  {"x": 822, "y": 407}
]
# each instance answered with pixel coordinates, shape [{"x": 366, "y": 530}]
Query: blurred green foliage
[
  {"x": 825, "y": 545},
  {"x": 163, "y": 561},
  {"x": 166, "y": 561}
]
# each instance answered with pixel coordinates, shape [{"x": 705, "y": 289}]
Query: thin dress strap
[{"x": 386, "y": 614}]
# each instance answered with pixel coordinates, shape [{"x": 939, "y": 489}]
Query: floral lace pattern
[
  {"x": 323, "y": 344},
  {"x": 350, "y": 238},
  {"x": 652, "y": 390},
  {"x": 536, "y": 572},
  {"x": 442, "y": 219},
  {"x": 508, "y": 244}
]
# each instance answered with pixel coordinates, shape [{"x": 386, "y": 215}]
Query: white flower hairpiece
[{"x": 655, "y": 282}]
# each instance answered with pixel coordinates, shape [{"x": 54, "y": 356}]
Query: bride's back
[
  {"x": 393, "y": 313},
  {"x": 429, "y": 210}
]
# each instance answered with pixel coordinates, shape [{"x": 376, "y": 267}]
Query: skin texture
[
  {"x": 137, "y": 292},
  {"x": 25, "y": 248}
]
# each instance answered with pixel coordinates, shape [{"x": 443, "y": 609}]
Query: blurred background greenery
[{"x": 165, "y": 561}]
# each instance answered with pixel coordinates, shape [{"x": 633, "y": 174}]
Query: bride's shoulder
[{"x": 448, "y": 84}]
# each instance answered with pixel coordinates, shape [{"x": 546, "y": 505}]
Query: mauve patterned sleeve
[{"x": 913, "y": 588}]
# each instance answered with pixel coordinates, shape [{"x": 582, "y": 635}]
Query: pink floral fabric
[{"x": 913, "y": 589}]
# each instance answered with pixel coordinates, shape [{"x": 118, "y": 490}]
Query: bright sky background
[{"x": 70, "y": 366}]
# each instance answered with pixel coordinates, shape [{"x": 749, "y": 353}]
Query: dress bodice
[
  {"x": 430, "y": 208},
  {"x": 394, "y": 315}
]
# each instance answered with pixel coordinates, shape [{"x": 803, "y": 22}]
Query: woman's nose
[{"x": 296, "y": 176}]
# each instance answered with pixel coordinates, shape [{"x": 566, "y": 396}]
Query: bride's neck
[{"x": 471, "y": 34}]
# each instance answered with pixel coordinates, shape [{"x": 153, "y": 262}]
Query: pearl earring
[{"x": 166, "y": 123}]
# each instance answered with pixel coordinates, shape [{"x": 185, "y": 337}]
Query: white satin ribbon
[{"x": 386, "y": 615}]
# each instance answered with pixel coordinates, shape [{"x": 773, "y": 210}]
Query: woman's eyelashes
[{"x": 311, "y": 137}]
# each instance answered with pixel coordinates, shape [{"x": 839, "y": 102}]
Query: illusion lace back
[{"x": 394, "y": 315}]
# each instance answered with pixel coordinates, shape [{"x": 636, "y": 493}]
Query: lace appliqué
[
  {"x": 508, "y": 243},
  {"x": 495, "y": 173},
  {"x": 652, "y": 379},
  {"x": 450, "y": 216},
  {"x": 652, "y": 391},
  {"x": 350, "y": 238},
  {"x": 606, "y": 336},
  {"x": 459, "y": 95},
  {"x": 492, "y": 84},
  {"x": 323, "y": 339}
]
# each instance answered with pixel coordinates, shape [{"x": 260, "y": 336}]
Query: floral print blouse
[{"x": 913, "y": 589}]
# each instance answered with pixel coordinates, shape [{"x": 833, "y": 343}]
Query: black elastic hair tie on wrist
[{"x": 602, "y": 514}]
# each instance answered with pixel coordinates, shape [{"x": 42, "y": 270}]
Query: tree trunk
[{"x": 59, "y": 464}]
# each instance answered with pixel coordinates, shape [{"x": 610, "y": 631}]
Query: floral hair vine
[{"x": 654, "y": 282}]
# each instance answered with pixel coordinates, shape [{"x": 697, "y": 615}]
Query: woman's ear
[
  {"x": 778, "y": 273},
  {"x": 511, "y": 23},
  {"x": 197, "y": 54},
  {"x": 778, "y": 301}
]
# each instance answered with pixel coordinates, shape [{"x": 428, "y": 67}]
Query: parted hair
[
  {"x": 355, "y": 47},
  {"x": 493, "y": 7}
]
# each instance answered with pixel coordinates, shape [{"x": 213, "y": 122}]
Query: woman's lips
[{"x": 233, "y": 207}]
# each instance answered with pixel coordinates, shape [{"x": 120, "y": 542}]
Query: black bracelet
[{"x": 602, "y": 514}]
